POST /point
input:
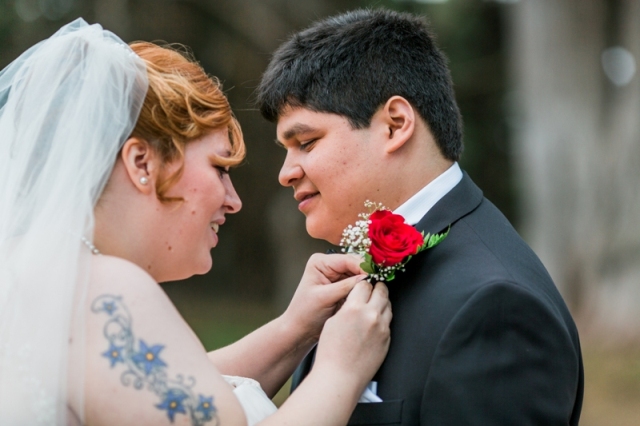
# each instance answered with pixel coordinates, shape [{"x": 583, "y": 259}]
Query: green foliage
[
  {"x": 368, "y": 266},
  {"x": 436, "y": 239},
  {"x": 431, "y": 241}
]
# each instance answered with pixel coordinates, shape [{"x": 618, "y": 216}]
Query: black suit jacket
[{"x": 480, "y": 334}]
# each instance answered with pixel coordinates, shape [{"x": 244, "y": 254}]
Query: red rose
[{"x": 392, "y": 240}]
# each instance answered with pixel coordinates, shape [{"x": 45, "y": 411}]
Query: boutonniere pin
[{"x": 386, "y": 242}]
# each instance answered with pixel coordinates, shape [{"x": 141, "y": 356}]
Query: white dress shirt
[{"x": 421, "y": 202}]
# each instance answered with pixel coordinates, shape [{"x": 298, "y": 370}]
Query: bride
[{"x": 114, "y": 176}]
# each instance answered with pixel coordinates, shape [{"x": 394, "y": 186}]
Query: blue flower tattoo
[
  {"x": 143, "y": 366},
  {"x": 109, "y": 307},
  {"x": 173, "y": 403},
  {"x": 114, "y": 354},
  {"x": 148, "y": 357},
  {"x": 206, "y": 407}
]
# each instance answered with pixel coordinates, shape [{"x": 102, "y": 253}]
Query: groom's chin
[{"x": 320, "y": 232}]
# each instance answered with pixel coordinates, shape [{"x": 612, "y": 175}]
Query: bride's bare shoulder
[
  {"x": 104, "y": 268},
  {"x": 143, "y": 364},
  {"x": 114, "y": 274},
  {"x": 114, "y": 277}
]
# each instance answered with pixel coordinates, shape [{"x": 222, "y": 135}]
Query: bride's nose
[{"x": 232, "y": 200}]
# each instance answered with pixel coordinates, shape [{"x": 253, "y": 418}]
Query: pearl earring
[{"x": 144, "y": 180}]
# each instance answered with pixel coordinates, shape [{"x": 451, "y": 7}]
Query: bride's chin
[
  {"x": 182, "y": 271},
  {"x": 204, "y": 266}
]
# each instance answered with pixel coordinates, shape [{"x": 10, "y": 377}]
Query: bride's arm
[
  {"x": 144, "y": 365},
  {"x": 271, "y": 353}
]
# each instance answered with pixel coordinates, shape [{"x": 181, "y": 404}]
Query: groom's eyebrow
[{"x": 297, "y": 129}]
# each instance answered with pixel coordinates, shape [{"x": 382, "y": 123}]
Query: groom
[{"x": 365, "y": 109}]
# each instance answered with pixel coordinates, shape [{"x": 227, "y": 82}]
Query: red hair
[{"x": 182, "y": 104}]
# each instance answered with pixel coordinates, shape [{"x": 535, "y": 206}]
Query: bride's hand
[
  {"x": 326, "y": 282},
  {"x": 355, "y": 341}
]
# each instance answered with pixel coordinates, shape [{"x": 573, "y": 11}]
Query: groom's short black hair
[{"x": 352, "y": 63}]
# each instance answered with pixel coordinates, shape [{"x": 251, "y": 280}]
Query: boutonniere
[{"x": 386, "y": 242}]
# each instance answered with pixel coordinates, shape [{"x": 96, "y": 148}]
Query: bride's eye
[{"x": 222, "y": 171}]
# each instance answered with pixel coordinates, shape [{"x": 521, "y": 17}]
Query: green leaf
[
  {"x": 368, "y": 265},
  {"x": 436, "y": 239},
  {"x": 425, "y": 242}
]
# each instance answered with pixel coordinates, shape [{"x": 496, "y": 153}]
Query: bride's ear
[
  {"x": 141, "y": 163},
  {"x": 399, "y": 118}
]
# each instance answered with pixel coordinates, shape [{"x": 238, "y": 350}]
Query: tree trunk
[{"x": 577, "y": 151}]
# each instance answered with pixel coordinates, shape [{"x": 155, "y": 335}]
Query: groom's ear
[
  {"x": 141, "y": 163},
  {"x": 399, "y": 117}
]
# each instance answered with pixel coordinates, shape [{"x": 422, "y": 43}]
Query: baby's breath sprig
[
  {"x": 373, "y": 207},
  {"x": 355, "y": 238}
]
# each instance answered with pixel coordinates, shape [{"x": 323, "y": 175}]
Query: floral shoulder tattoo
[{"x": 142, "y": 366}]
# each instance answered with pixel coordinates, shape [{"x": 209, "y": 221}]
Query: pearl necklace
[{"x": 90, "y": 245}]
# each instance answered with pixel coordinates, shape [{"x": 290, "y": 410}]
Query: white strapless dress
[{"x": 254, "y": 401}]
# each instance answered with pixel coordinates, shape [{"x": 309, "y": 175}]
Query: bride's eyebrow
[{"x": 224, "y": 154}]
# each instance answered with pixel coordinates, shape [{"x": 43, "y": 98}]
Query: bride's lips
[
  {"x": 215, "y": 227},
  {"x": 305, "y": 198}
]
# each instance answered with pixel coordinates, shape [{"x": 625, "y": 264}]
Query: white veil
[{"x": 66, "y": 106}]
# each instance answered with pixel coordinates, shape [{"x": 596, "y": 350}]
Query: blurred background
[{"x": 551, "y": 104}]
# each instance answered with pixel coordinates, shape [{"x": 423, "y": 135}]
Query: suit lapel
[
  {"x": 464, "y": 198},
  {"x": 457, "y": 203}
]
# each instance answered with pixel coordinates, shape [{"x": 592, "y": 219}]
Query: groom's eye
[{"x": 305, "y": 146}]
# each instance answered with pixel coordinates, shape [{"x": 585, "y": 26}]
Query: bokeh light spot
[
  {"x": 619, "y": 65},
  {"x": 27, "y": 10}
]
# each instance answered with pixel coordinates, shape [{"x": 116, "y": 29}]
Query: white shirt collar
[{"x": 421, "y": 202}]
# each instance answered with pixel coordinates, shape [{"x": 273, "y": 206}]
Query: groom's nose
[{"x": 291, "y": 171}]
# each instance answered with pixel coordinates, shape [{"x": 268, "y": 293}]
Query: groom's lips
[{"x": 304, "y": 198}]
